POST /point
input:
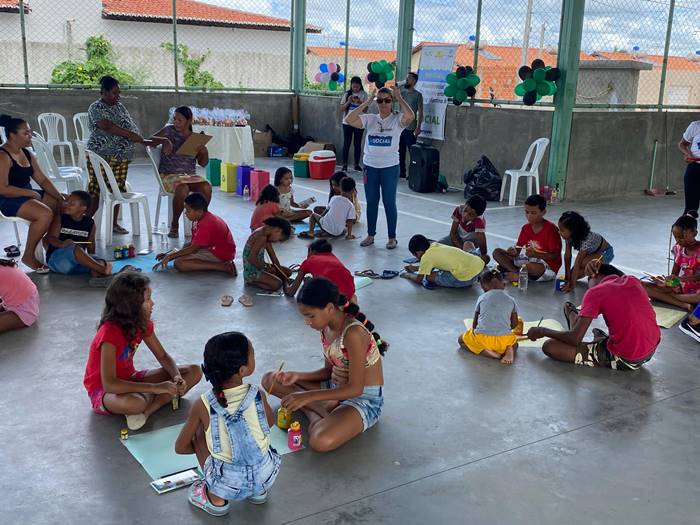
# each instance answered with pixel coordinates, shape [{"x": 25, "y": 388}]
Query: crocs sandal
[
  {"x": 198, "y": 498},
  {"x": 305, "y": 235},
  {"x": 568, "y": 308},
  {"x": 226, "y": 300},
  {"x": 389, "y": 274},
  {"x": 368, "y": 273},
  {"x": 246, "y": 300}
]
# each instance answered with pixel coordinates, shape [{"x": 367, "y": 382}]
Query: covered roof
[
  {"x": 194, "y": 13},
  {"x": 370, "y": 55}
]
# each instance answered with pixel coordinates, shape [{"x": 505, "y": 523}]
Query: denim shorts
[
  {"x": 9, "y": 206},
  {"x": 447, "y": 280},
  {"x": 227, "y": 481},
  {"x": 369, "y": 404},
  {"x": 63, "y": 261},
  {"x": 608, "y": 254}
]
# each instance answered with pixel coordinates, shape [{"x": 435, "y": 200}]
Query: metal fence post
[
  {"x": 299, "y": 46},
  {"x": 24, "y": 44},
  {"x": 571, "y": 30},
  {"x": 175, "y": 50},
  {"x": 664, "y": 65},
  {"x": 347, "y": 43},
  {"x": 404, "y": 47},
  {"x": 477, "y": 37}
]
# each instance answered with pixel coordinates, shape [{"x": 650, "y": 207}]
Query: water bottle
[
  {"x": 163, "y": 233},
  {"x": 246, "y": 194},
  {"x": 522, "y": 278}
]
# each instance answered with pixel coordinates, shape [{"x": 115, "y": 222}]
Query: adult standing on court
[
  {"x": 381, "y": 157},
  {"x": 113, "y": 134},
  {"x": 690, "y": 147},
  {"x": 409, "y": 135}
]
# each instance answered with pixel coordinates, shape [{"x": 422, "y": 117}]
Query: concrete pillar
[
  {"x": 404, "y": 39},
  {"x": 298, "y": 45}
]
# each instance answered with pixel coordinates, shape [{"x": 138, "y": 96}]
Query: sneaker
[
  {"x": 689, "y": 329},
  {"x": 345, "y": 168},
  {"x": 259, "y": 499}
]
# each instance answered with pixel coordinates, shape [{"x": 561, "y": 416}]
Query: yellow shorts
[{"x": 477, "y": 343}]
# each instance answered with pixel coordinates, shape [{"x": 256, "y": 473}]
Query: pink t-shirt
[
  {"x": 625, "y": 306},
  {"x": 689, "y": 264},
  {"x": 16, "y": 288},
  {"x": 261, "y": 212}
]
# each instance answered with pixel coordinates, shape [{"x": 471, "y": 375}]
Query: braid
[
  {"x": 224, "y": 355},
  {"x": 353, "y": 310}
]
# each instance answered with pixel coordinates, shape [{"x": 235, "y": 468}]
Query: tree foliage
[
  {"x": 193, "y": 76},
  {"x": 100, "y": 57}
]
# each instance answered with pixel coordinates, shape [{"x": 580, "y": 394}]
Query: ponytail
[
  {"x": 224, "y": 355},
  {"x": 353, "y": 310}
]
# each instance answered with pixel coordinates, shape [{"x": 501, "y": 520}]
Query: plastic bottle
[
  {"x": 246, "y": 193},
  {"x": 163, "y": 232},
  {"x": 132, "y": 251},
  {"x": 284, "y": 418},
  {"x": 294, "y": 436},
  {"x": 523, "y": 278},
  {"x": 117, "y": 253},
  {"x": 125, "y": 252}
]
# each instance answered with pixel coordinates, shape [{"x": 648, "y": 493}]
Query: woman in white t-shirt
[
  {"x": 381, "y": 157},
  {"x": 690, "y": 146}
]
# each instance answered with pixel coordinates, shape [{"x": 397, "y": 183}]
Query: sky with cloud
[{"x": 608, "y": 24}]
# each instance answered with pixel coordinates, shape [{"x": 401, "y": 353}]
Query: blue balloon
[
  {"x": 472, "y": 38},
  {"x": 697, "y": 51},
  {"x": 635, "y": 48},
  {"x": 324, "y": 68},
  {"x": 341, "y": 77}
]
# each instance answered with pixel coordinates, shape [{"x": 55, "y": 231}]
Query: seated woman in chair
[
  {"x": 178, "y": 172},
  {"x": 17, "y": 197}
]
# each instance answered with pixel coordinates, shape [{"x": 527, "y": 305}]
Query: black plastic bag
[{"x": 483, "y": 180}]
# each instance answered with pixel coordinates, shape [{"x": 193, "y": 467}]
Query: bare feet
[
  {"x": 508, "y": 357},
  {"x": 30, "y": 260}
]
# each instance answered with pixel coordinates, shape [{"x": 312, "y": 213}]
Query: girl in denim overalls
[{"x": 229, "y": 430}]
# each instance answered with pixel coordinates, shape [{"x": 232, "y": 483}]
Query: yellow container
[
  {"x": 229, "y": 177},
  {"x": 284, "y": 418}
]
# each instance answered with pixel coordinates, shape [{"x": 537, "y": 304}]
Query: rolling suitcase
[{"x": 424, "y": 169}]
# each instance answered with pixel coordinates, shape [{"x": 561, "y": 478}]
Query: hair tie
[
  {"x": 364, "y": 323},
  {"x": 379, "y": 342},
  {"x": 347, "y": 303}
]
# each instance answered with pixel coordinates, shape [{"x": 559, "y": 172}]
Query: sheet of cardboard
[{"x": 192, "y": 144}]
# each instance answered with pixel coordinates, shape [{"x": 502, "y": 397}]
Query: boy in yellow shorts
[{"x": 495, "y": 317}]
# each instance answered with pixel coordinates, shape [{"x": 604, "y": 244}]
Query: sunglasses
[{"x": 384, "y": 101}]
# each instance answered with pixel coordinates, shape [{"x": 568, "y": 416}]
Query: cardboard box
[
  {"x": 316, "y": 146},
  {"x": 261, "y": 141}
]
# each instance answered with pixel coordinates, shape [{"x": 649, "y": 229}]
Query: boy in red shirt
[
  {"x": 468, "y": 230},
  {"x": 539, "y": 240},
  {"x": 212, "y": 247}
]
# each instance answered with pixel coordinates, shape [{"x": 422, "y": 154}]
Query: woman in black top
[{"x": 17, "y": 198}]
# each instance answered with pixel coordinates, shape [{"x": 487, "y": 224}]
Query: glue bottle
[
  {"x": 284, "y": 418},
  {"x": 294, "y": 436}
]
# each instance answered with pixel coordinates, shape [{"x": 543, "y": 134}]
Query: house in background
[{"x": 249, "y": 50}]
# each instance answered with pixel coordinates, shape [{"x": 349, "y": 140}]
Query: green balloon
[
  {"x": 543, "y": 89},
  {"x": 376, "y": 67},
  {"x": 539, "y": 74},
  {"x": 553, "y": 87},
  {"x": 451, "y": 78},
  {"x": 473, "y": 80},
  {"x": 390, "y": 74},
  {"x": 332, "y": 85},
  {"x": 461, "y": 95},
  {"x": 539, "y": 97},
  {"x": 450, "y": 90},
  {"x": 547, "y": 68},
  {"x": 520, "y": 90},
  {"x": 383, "y": 63},
  {"x": 382, "y": 78},
  {"x": 529, "y": 84},
  {"x": 462, "y": 83}
]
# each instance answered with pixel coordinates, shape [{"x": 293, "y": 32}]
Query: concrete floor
[{"x": 462, "y": 439}]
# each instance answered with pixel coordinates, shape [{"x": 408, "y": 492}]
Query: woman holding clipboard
[{"x": 179, "y": 172}]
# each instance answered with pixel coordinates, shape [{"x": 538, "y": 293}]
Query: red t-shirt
[
  {"x": 477, "y": 224},
  {"x": 110, "y": 332},
  {"x": 262, "y": 212},
  {"x": 627, "y": 311},
  {"x": 329, "y": 266},
  {"x": 212, "y": 232},
  {"x": 547, "y": 240}
]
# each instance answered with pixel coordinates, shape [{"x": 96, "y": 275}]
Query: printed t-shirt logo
[{"x": 379, "y": 140}]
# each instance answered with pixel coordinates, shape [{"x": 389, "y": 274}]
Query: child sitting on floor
[
  {"x": 686, "y": 268},
  {"x": 231, "y": 410},
  {"x": 469, "y": 228},
  {"x": 574, "y": 229},
  {"x": 113, "y": 385},
  {"x": 212, "y": 247},
  {"x": 71, "y": 240},
  {"x": 339, "y": 216},
  {"x": 321, "y": 262},
  {"x": 283, "y": 183},
  {"x": 256, "y": 271},
  {"x": 538, "y": 245},
  {"x": 441, "y": 265},
  {"x": 267, "y": 205},
  {"x": 19, "y": 298},
  {"x": 334, "y": 183},
  {"x": 495, "y": 317}
]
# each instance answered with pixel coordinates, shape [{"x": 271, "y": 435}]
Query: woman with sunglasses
[{"x": 381, "y": 156}]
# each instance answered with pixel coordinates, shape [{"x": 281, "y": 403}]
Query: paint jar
[
  {"x": 561, "y": 281},
  {"x": 294, "y": 436},
  {"x": 117, "y": 253},
  {"x": 519, "y": 327},
  {"x": 673, "y": 281},
  {"x": 176, "y": 402},
  {"x": 124, "y": 434},
  {"x": 284, "y": 418}
]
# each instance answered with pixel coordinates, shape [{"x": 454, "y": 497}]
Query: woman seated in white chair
[
  {"x": 18, "y": 168},
  {"x": 179, "y": 172}
]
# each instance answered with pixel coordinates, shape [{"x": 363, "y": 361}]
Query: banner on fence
[{"x": 435, "y": 64}]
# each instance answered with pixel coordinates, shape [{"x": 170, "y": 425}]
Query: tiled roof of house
[
  {"x": 675, "y": 63},
  {"x": 192, "y": 12},
  {"x": 370, "y": 55},
  {"x": 12, "y": 6}
]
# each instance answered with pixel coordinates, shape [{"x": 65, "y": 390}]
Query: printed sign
[{"x": 435, "y": 64}]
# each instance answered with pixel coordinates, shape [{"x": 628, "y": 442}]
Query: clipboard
[{"x": 193, "y": 142}]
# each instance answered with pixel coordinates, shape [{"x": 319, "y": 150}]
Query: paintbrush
[{"x": 272, "y": 386}]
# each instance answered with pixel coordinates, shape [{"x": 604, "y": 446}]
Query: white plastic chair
[
  {"x": 70, "y": 176},
  {"x": 81, "y": 123},
  {"x": 112, "y": 196},
  {"x": 53, "y": 128},
  {"x": 154, "y": 157},
  {"x": 539, "y": 147},
  {"x": 3, "y": 135},
  {"x": 14, "y": 221}
]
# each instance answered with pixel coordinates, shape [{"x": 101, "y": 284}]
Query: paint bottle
[
  {"x": 519, "y": 327},
  {"x": 117, "y": 253},
  {"x": 132, "y": 251},
  {"x": 561, "y": 281},
  {"x": 294, "y": 436},
  {"x": 673, "y": 282},
  {"x": 124, "y": 434},
  {"x": 176, "y": 402},
  {"x": 284, "y": 418}
]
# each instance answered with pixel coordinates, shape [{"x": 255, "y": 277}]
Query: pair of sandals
[
  {"x": 386, "y": 274},
  {"x": 13, "y": 251}
]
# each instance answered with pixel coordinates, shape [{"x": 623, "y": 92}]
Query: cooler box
[
  {"x": 214, "y": 172},
  {"x": 228, "y": 177},
  {"x": 258, "y": 180},
  {"x": 243, "y": 179},
  {"x": 301, "y": 165},
  {"x": 321, "y": 164}
]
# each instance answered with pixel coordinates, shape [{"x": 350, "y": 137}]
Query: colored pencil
[{"x": 272, "y": 386}]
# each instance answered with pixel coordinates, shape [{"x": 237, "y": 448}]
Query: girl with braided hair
[
  {"x": 229, "y": 430},
  {"x": 344, "y": 398}
]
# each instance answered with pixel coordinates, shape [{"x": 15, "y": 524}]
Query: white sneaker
[
  {"x": 135, "y": 421},
  {"x": 258, "y": 500}
]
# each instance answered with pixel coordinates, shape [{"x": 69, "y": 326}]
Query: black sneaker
[
  {"x": 358, "y": 167},
  {"x": 689, "y": 329}
]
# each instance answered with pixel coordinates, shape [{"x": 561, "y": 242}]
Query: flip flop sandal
[
  {"x": 305, "y": 235},
  {"x": 411, "y": 260},
  {"x": 226, "y": 300},
  {"x": 198, "y": 498},
  {"x": 120, "y": 230},
  {"x": 173, "y": 234},
  {"x": 100, "y": 282},
  {"x": 130, "y": 268},
  {"x": 368, "y": 273},
  {"x": 246, "y": 300},
  {"x": 568, "y": 308},
  {"x": 294, "y": 268},
  {"x": 41, "y": 270},
  {"x": 12, "y": 251},
  {"x": 389, "y": 274}
]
